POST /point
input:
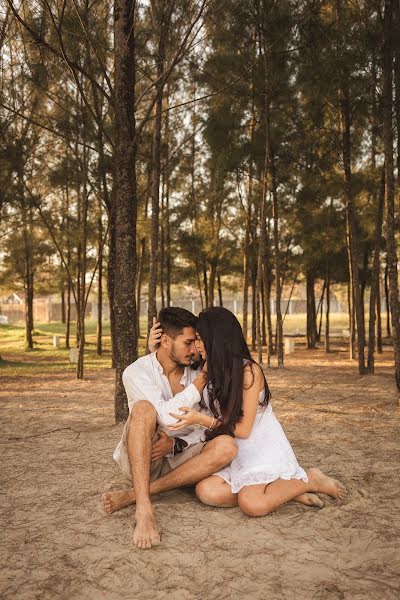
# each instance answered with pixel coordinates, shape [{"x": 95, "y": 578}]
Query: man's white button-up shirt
[{"x": 145, "y": 380}]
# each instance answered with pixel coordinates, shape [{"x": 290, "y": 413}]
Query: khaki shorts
[{"x": 159, "y": 467}]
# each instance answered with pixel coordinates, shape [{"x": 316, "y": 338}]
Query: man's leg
[
  {"x": 141, "y": 432},
  {"x": 215, "y": 455}
]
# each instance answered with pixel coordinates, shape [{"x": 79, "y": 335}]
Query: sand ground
[{"x": 57, "y": 439}]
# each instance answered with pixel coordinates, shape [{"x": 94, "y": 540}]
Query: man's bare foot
[
  {"x": 319, "y": 482},
  {"x": 310, "y": 500},
  {"x": 117, "y": 499},
  {"x": 146, "y": 534}
]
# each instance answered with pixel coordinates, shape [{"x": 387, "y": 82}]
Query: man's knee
[
  {"x": 225, "y": 449},
  {"x": 143, "y": 409}
]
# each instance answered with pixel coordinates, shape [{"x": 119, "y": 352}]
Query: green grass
[
  {"x": 44, "y": 358},
  {"x": 16, "y": 359}
]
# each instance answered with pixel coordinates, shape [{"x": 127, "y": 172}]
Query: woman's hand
[
  {"x": 191, "y": 417},
  {"x": 154, "y": 336}
]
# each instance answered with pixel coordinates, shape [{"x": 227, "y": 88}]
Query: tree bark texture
[{"x": 125, "y": 200}]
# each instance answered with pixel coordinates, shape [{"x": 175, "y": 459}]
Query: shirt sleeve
[{"x": 143, "y": 388}]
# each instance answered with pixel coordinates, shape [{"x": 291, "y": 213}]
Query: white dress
[{"x": 265, "y": 456}]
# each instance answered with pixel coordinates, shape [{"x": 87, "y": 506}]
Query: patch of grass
[{"x": 16, "y": 359}]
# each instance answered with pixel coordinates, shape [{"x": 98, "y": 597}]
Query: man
[{"x": 157, "y": 385}]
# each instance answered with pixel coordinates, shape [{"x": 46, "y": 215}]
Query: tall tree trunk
[
  {"x": 327, "y": 308},
  {"x": 246, "y": 256},
  {"x": 396, "y": 71},
  {"x": 387, "y": 299},
  {"x": 27, "y": 246},
  {"x": 162, "y": 251},
  {"x": 270, "y": 335},
  {"x": 62, "y": 303},
  {"x": 69, "y": 286},
  {"x": 320, "y": 311},
  {"x": 100, "y": 280},
  {"x": 253, "y": 307},
  {"x": 68, "y": 316},
  {"x": 379, "y": 346},
  {"x": 219, "y": 289},
  {"x": 263, "y": 316},
  {"x": 389, "y": 185},
  {"x": 375, "y": 275},
  {"x": 161, "y": 19},
  {"x": 211, "y": 289},
  {"x": 167, "y": 215},
  {"x": 199, "y": 285},
  {"x": 311, "y": 312},
  {"x": 139, "y": 282},
  {"x": 351, "y": 228},
  {"x": 205, "y": 283},
  {"x": 261, "y": 240},
  {"x": 278, "y": 284},
  {"x": 248, "y": 240},
  {"x": 81, "y": 308},
  {"x": 111, "y": 280},
  {"x": 125, "y": 200}
]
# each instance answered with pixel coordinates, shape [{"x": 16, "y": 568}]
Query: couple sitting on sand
[{"x": 199, "y": 414}]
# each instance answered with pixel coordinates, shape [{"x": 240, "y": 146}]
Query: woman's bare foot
[
  {"x": 319, "y": 482},
  {"x": 117, "y": 499},
  {"x": 310, "y": 500},
  {"x": 146, "y": 534}
]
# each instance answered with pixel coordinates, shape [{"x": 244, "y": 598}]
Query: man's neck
[{"x": 169, "y": 366}]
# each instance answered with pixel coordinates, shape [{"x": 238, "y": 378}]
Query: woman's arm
[{"x": 253, "y": 382}]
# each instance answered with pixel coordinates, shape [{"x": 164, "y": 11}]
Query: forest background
[{"x": 249, "y": 146}]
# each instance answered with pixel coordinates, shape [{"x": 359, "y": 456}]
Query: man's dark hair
[{"x": 173, "y": 319}]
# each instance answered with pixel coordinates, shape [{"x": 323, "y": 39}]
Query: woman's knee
[
  {"x": 251, "y": 505},
  {"x": 208, "y": 492}
]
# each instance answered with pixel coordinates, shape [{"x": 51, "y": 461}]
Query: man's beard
[{"x": 176, "y": 360}]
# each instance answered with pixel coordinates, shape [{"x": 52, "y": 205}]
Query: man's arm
[{"x": 142, "y": 387}]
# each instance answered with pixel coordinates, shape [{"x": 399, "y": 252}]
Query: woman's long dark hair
[{"x": 226, "y": 350}]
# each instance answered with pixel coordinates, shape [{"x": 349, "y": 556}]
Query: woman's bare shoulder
[{"x": 253, "y": 375}]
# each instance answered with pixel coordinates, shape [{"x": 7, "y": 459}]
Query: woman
[{"x": 265, "y": 472}]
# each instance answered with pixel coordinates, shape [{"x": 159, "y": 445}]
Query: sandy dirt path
[{"x": 57, "y": 439}]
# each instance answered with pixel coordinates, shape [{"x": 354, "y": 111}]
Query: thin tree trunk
[
  {"x": 26, "y": 239},
  {"x": 161, "y": 15},
  {"x": 387, "y": 299},
  {"x": 68, "y": 316},
  {"x": 205, "y": 282},
  {"x": 162, "y": 251},
  {"x": 62, "y": 295},
  {"x": 327, "y": 308},
  {"x": 100, "y": 280},
  {"x": 390, "y": 185},
  {"x": 253, "y": 307},
  {"x": 379, "y": 346},
  {"x": 125, "y": 200},
  {"x": 211, "y": 289},
  {"x": 263, "y": 316},
  {"x": 219, "y": 289},
  {"x": 278, "y": 285},
  {"x": 352, "y": 243},
  {"x": 199, "y": 285},
  {"x": 139, "y": 282},
  {"x": 311, "y": 312},
  {"x": 375, "y": 275},
  {"x": 166, "y": 214},
  {"x": 270, "y": 336},
  {"x": 320, "y": 311}
]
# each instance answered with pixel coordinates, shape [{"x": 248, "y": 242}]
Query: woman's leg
[
  {"x": 214, "y": 491},
  {"x": 259, "y": 500}
]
